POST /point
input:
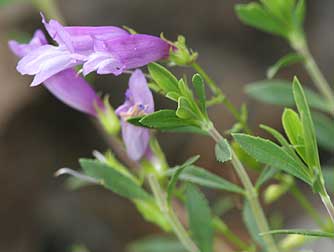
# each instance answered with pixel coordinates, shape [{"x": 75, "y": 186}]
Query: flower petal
[
  {"x": 74, "y": 91},
  {"x": 103, "y": 63},
  {"x": 46, "y": 61},
  {"x": 141, "y": 94},
  {"x": 80, "y": 38},
  {"x": 137, "y": 50},
  {"x": 22, "y": 50},
  {"x": 136, "y": 140}
]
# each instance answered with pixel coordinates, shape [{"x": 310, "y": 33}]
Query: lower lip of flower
[{"x": 134, "y": 111}]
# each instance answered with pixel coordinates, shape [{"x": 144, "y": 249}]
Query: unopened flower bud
[
  {"x": 180, "y": 54},
  {"x": 108, "y": 118}
]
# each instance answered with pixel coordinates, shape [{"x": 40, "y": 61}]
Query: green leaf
[
  {"x": 164, "y": 78},
  {"x": 176, "y": 173},
  {"x": 184, "y": 109},
  {"x": 271, "y": 154},
  {"x": 324, "y": 128},
  {"x": 305, "y": 232},
  {"x": 151, "y": 213},
  {"x": 294, "y": 130},
  {"x": 164, "y": 120},
  {"x": 299, "y": 13},
  {"x": 285, "y": 144},
  {"x": 251, "y": 224},
  {"x": 174, "y": 96},
  {"x": 266, "y": 174},
  {"x": 310, "y": 143},
  {"x": 223, "y": 151},
  {"x": 113, "y": 180},
  {"x": 156, "y": 244},
  {"x": 187, "y": 129},
  {"x": 200, "y": 91},
  {"x": 253, "y": 14},
  {"x": 135, "y": 120},
  {"x": 285, "y": 61},
  {"x": 279, "y": 92},
  {"x": 200, "y": 219},
  {"x": 205, "y": 178}
]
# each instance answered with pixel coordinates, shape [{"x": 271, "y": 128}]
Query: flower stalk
[
  {"x": 170, "y": 215},
  {"x": 251, "y": 195}
]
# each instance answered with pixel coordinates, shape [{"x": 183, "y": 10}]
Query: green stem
[
  {"x": 170, "y": 215},
  {"x": 49, "y": 8},
  {"x": 300, "y": 45},
  {"x": 251, "y": 195},
  {"x": 304, "y": 203},
  {"x": 222, "y": 228},
  {"x": 220, "y": 97},
  {"x": 328, "y": 204}
]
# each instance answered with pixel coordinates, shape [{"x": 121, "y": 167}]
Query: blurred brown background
[{"x": 39, "y": 135}]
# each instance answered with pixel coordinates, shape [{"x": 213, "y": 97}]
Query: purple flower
[
  {"x": 81, "y": 38},
  {"x": 105, "y": 49},
  {"x": 66, "y": 85},
  {"x": 138, "y": 101},
  {"x": 75, "y": 44},
  {"x": 21, "y": 50},
  {"x": 125, "y": 52}
]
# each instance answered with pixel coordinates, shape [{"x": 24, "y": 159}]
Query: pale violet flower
[{"x": 138, "y": 101}]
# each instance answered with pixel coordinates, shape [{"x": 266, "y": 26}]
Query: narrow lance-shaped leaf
[
  {"x": 200, "y": 91},
  {"x": 267, "y": 174},
  {"x": 176, "y": 173},
  {"x": 164, "y": 78},
  {"x": 205, "y": 178},
  {"x": 299, "y": 13},
  {"x": 311, "y": 148},
  {"x": 164, "y": 119},
  {"x": 305, "y": 232},
  {"x": 271, "y": 154},
  {"x": 285, "y": 61},
  {"x": 294, "y": 130},
  {"x": 113, "y": 180},
  {"x": 200, "y": 219}
]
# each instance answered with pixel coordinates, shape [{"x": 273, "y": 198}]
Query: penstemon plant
[{"x": 136, "y": 166}]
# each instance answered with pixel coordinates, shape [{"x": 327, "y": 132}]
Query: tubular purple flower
[
  {"x": 66, "y": 85},
  {"x": 138, "y": 101},
  {"x": 125, "y": 52},
  {"x": 74, "y": 46},
  {"x": 81, "y": 38}
]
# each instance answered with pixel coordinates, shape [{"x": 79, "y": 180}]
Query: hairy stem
[
  {"x": 300, "y": 45},
  {"x": 170, "y": 215},
  {"x": 251, "y": 195}
]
